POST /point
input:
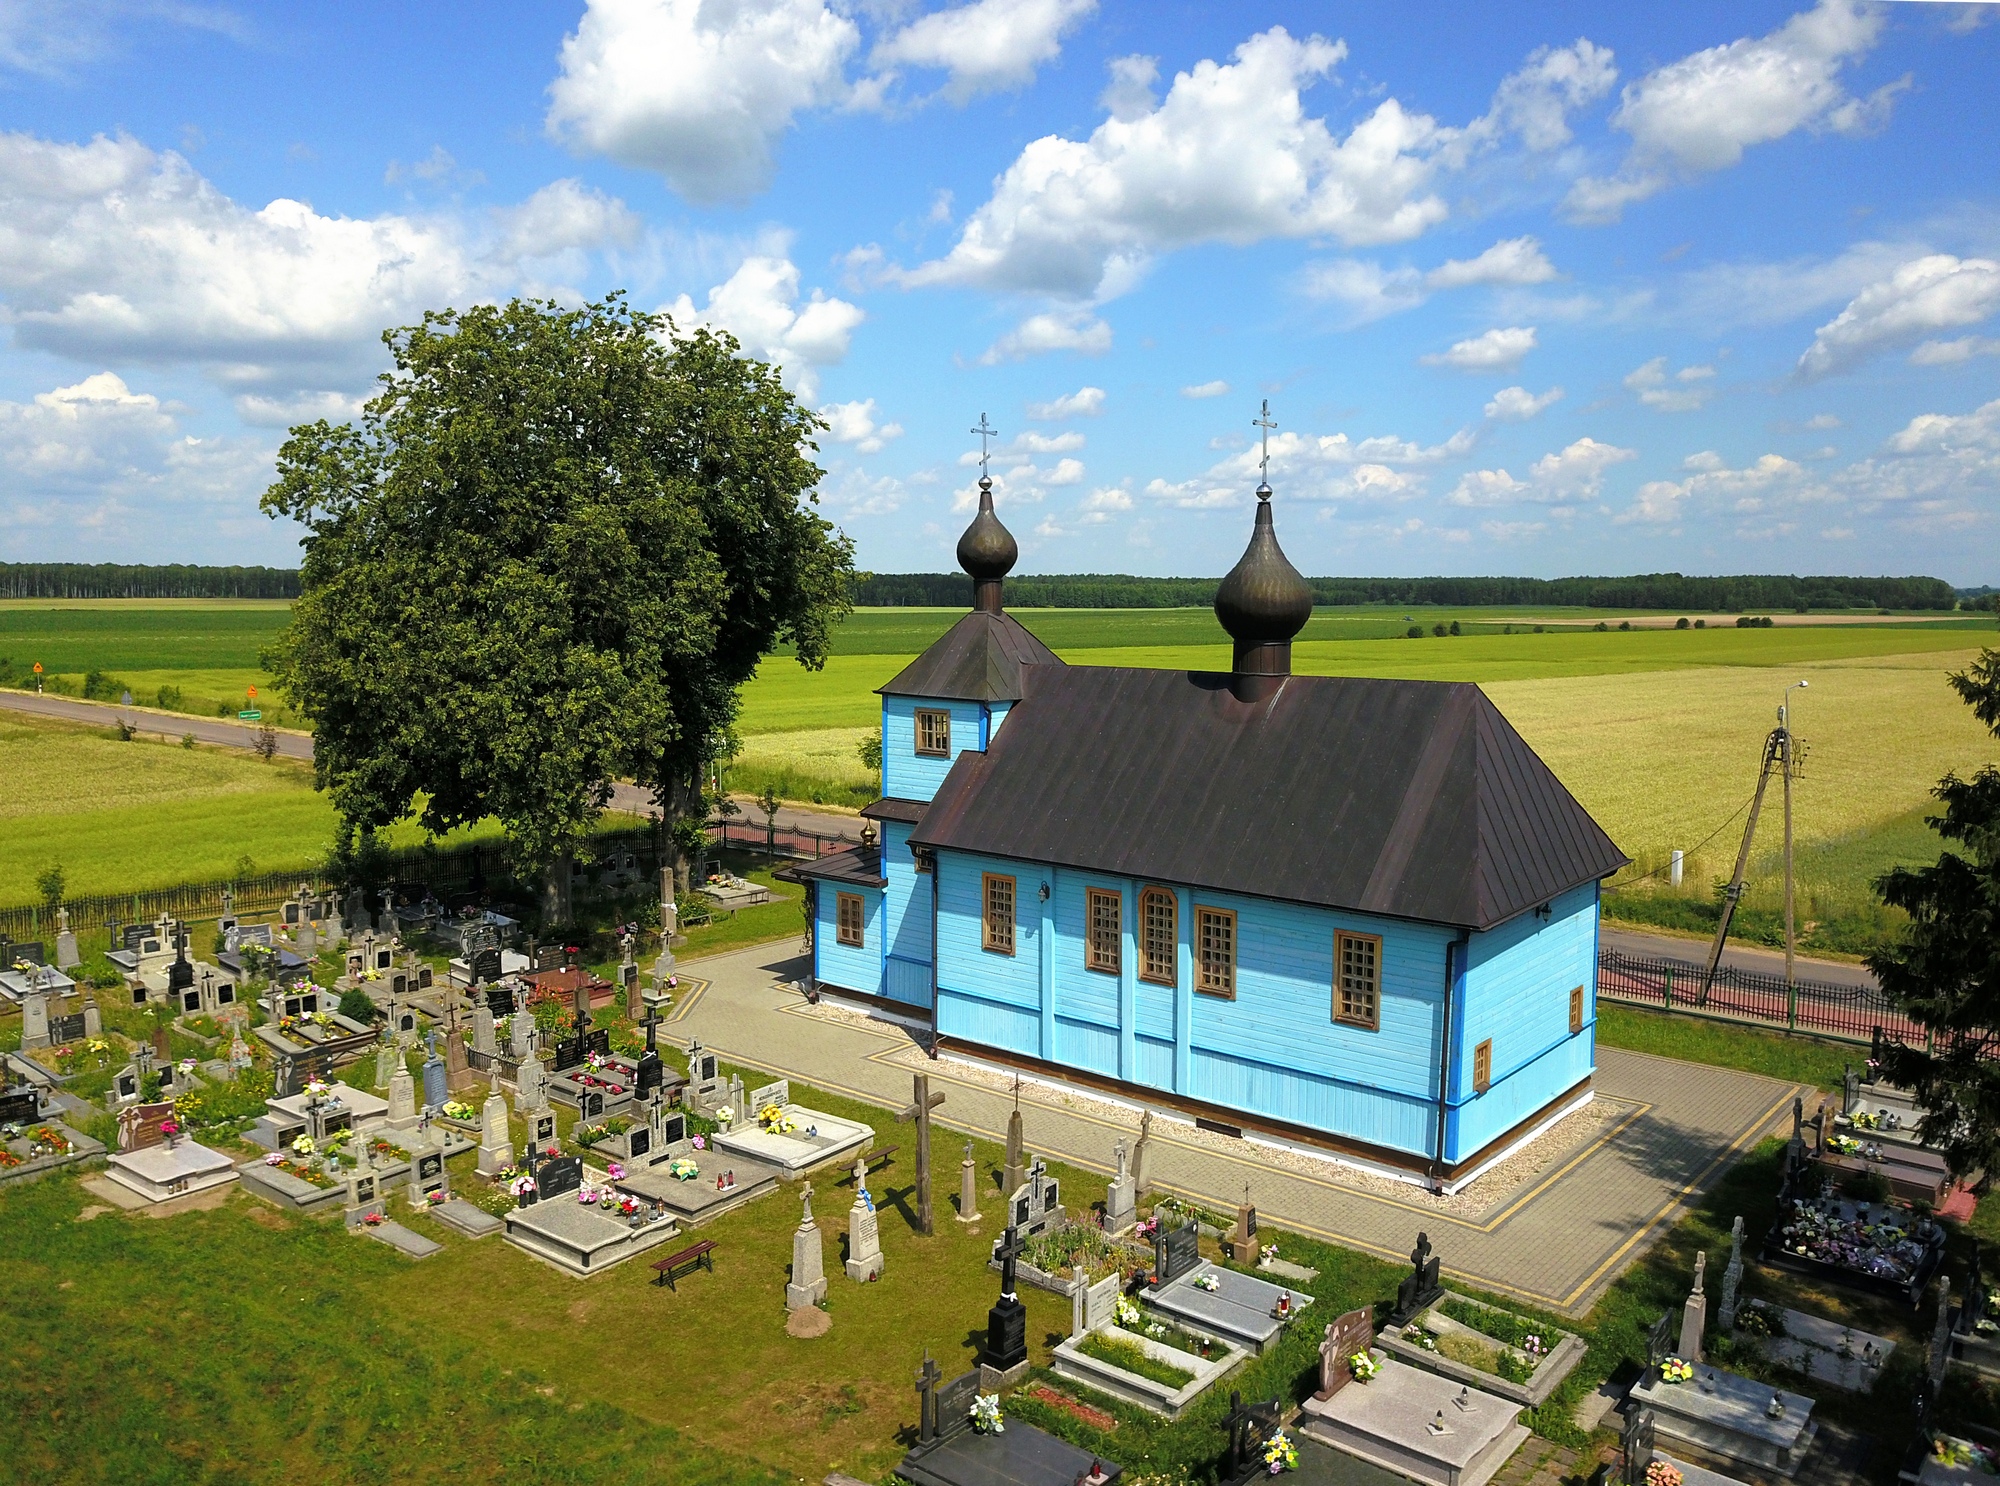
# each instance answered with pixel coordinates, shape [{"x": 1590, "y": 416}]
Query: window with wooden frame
[
  {"x": 1215, "y": 952},
  {"x": 1357, "y": 981},
  {"x": 1482, "y": 1067},
  {"x": 848, "y": 918},
  {"x": 1102, "y": 912},
  {"x": 1159, "y": 937},
  {"x": 933, "y": 733},
  {"x": 1576, "y": 1010},
  {"x": 997, "y": 892}
]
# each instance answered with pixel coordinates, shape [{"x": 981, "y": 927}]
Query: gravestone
[
  {"x": 427, "y": 1175},
  {"x": 1420, "y": 1289},
  {"x": 34, "y": 1017},
  {"x": 483, "y": 1041},
  {"x": 437, "y": 1086},
  {"x": 457, "y": 1068},
  {"x": 364, "y": 1197},
  {"x": 542, "y": 1128},
  {"x": 864, "y": 1245},
  {"x": 1242, "y": 1244},
  {"x": 21, "y": 1105},
  {"x": 1007, "y": 1321},
  {"x": 1694, "y": 1314},
  {"x": 496, "y": 1144},
  {"x": 808, "y": 1282},
  {"x": 530, "y": 1084},
  {"x": 1016, "y": 1172},
  {"x": 1121, "y": 1207},
  {"x": 139, "y": 1126},
  {"x": 1636, "y": 1445},
  {"x": 1175, "y": 1252},
  {"x": 968, "y": 1188},
  {"x": 402, "y": 1097},
  {"x": 1732, "y": 1278},
  {"x": 558, "y": 1177},
  {"x": 761, "y": 1099},
  {"x": 385, "y": 1061},
  {"x": 1037, "y": 1203},
  {"x": 66, "y": 956},
  {"x": 1353, "y": 1333},
  {"x": 1098, "y": 1302},
  {"x": 521, "y": 1029}
]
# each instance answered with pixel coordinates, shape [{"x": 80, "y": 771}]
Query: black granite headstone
[
  {"x": 1175, "y": 1252},
  {"x": 568, "y": 1053},
  {"x": 673, "y": 1128},
  {"x": 638, "y": 1141},
  {"x": 558, "y": 1177},
  {"x": 648, "y": 1076},
  {"x": 20, "y": 1106}
]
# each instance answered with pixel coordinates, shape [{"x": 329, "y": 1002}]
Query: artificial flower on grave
[
  {"x": 63, "y": 1052},
  {"x": 1280, "y": 1454},
  {"x": 1532, "y": 1344},
  {"x": 1863, "y": 1120},
  {"x": 615, "y": 1171},
  {"x": 1843, "y": 1145},
  {"x": 275, "y": 1158},
  {"x": 1659, "y": 1473},
  {"x": 700, "y": 1142},
  {"x": 588, "y": 1195},
  {"x": 772, "y": 1118},
  {"x": 98, "y": 1045},
  {"x": 725, "y": 1115},
  {"x": 1206, "y": 1281},
  {"x": 455, "y": 1109},
  {"x": 522, "y": 1185},
  {"x": 1414, "y": 1332},
  {"x": 1363, "y": 1366},
  {"x": 1674, "y": 1370},
  {"x": 303, "y": 1145},
  {"x": 1267, "y": 1253},
  {"x": 682, "y": 1170},
  {"x": 170, "y": 1127},
  {"x": 627, "y": 1205},
  {"x": 187, "y": 1065},
  {"x": 1126, "y": 1313},
  {"x": 986, "y": 1414},
  {"x": 437, "y": 1199},
  {"x": 373, "y": 1220}
]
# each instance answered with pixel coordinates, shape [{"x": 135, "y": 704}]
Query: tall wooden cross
[
  {"x": 928, "y": 1377},
  {"x": 922, "y": 1102}
]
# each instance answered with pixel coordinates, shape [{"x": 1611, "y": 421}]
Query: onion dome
[
  {"x": 987, "y": 551},
  {"x": 1263, "y": 602}
]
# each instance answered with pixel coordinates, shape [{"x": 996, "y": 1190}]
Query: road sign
[
  {"x": 38, "y": 668},
  {"x": 253, "y": 693},
  {"x": 253, "y": 715}
]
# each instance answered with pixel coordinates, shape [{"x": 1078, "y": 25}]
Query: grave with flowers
[
  {"x": 1119, "y": 1347},
  {"x": 1406, "y": 1419},
  {"x": 1514, "y": 1356},
  {"x": 788, "y": 1137},
  {"x": 576, "y": 1220},
  {"x": 965, "y": 1439},
  {"x": 1883, "y": 1247},
  {"x": 37, "y": 1147},
  {"x": 683, "y": 1172},
  {"x": 156, "y": 1160},
  {"x": 1210, "y": 1300}
]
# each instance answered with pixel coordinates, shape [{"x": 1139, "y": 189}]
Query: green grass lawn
[{"x": 1696, "y": 1040}]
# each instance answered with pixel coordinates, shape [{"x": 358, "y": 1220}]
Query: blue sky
[{"x": 1533, "y": 289}]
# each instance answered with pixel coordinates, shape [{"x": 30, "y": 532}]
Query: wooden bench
[{"x": 686, "y": 1262}]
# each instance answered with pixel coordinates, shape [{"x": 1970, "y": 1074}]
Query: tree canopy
[
  {"x": 1944, "y": 973},
  {"x": 549, "y": 555}
]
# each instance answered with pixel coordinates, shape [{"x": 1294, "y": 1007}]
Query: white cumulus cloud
[
  {"x": 1055, "y": 330},
  {"x": 1085, "y": 402},
  {"x": 1742, "y": 492},
  {"x": 759, "y": 305},
  {"x": 1700, "y": 113},
  {"x": 1198, "y": 390},
  {"x": 856, "y": 423},
  {"x": 1952, "y": 352},
  {"x": 987, "y": 46},
  {"x": 1500, "y": 349},
  {"x": 1561, "y": 478},
  {"x": 698, "y": 90},
  {"x": 1518, "y": 404},
  {"x": 1923, "y": 296},
  {"x": 1685, "y": 391},
  {"x": 1370, "y": 291}
]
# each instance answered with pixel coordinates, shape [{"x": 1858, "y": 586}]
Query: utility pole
[
  {"x": 1791, "y": 768},
  {"x": 1781, "y": 754}
]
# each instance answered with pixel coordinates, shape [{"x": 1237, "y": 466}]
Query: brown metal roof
[
  {"x": 979, "y": 659},
  {"x": 859, "y": 865},
  {"x": 1412, "y": 799},
  {"x": 909, "y": 812}
]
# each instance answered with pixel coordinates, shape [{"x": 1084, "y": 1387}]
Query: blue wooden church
[{"x": 1354, "y": 914}]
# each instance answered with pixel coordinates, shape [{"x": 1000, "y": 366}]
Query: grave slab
[
  {"x": 1240, "y": 1310},
  {"x": 1727, "y": 1416},
  {"x": 1812, "y": 1345},
  {"x": 473, "y": 1222},
  {"x": 159, "y": 1172},
  {"x": 402, "y": 1240},
  {"x": 1565, "y": 1350},
  {"x": 1020, "y": 1455},
  {"x": 1391, "y": 1421},
  {"x": 820, "y": 1138},
  {"x": 282, "y": 1189},
  {"x": 1070, "y": 1361},
  {"x": 698, "y": 1200},
  {"x": 578, "y": 1239}
]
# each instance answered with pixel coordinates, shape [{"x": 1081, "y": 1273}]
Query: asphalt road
[{"x": 629, "y": 797}]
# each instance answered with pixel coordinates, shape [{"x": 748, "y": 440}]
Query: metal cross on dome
[
  {"x": 985, "y": 432},
  {"x": 1266, "y": 422}
]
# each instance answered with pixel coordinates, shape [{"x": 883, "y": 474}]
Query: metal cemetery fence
[{"x": 1843, "y": 1012}]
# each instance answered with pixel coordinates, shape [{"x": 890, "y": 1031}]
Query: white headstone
[
  {"x": 864, "y": 1244},
  {"x": 1121, "y": 1207},
  {"x": 402, "y": 1097},
  {"x": 66, "y": 956},
  {"x": 496, "y": 1143},
  {"x": 34, "y": 1017},
  {"x": 529, "y": 1089},
  {"x": 1694, "y": 1315},
  {"x": 482, "y": 1030},
  {"x": 808, "y": 1282}
]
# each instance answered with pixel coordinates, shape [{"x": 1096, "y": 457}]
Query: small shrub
[
  {"x": 1439, "y": 630},
  {"x": 169, "y": 698},
  {"x": 1681, "y": 623},
  {"x": 1602, "y": 626},
  {"x": 355, "y": 1006},
  {"x": 1625, "y": 624},
  {"x": 1701, "y": 624},
  {"x": 1455, "y": 629},
  {"x": 187, "y": 741},
  {"x": 1415, "y": 632},
  {"x": 869, "y": 751}
]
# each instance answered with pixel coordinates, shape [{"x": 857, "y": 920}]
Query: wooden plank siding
[
  {"x": 906, "y": 913},
  {"x": 908, "y": 775},
  {"x": 857, "y": 968}
]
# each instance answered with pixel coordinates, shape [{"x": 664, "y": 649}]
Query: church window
[
  {"x": 1357, "y": 990},
  {"x": 933, "y": 733},
  {"x": 999, "y": 895},
  {"x": 1215, "y": 961},
  {"x": 1160, "y": 916},
  {"x": 1576, "y": 1010},
  {"x": 848, "y": 914},
  {"x": 1101, "y": 948},
  {"x": 1482, "y": 1067}
]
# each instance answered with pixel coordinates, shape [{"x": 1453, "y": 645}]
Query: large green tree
[
  {"x": 1944, "y": 971},
  {"x": 553, "y": 550}
]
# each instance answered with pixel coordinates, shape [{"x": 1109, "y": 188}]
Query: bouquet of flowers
[
  {"x": 682, "y": 1170},
  {"x": 1659, "y": 1473},
  {"x": 1532, "y": 1344},
  {"x": 1843, "y": 1145},
  {"x": 588, "y": 1195},
  {"x": 1206, "y": 1281},
  {"x": 1363, "y": 1366},
  {"x": 1414, "y": 1332},
  {"x": 1673, "y": 1370},
  {"x": 173, "y": 1127},
  {"x": 455, "y": 1109},
  {"x": 772, "y": 1118},
  {"x": 700, "y": 1142},
  {"x": 1126, "y": 1313},
  {"x": 522, "y": 1185},
  {"x": 986, "y": 1414},
  {"x": 725, "y": 1116},
  {"x": 1280, "y": 1454},
  {"x": 302, "y": 1146},
  {"x": 1268, "y": 1253},
  {"x": 373, "y": 1220},
  {"x": 1863, "y": 1120},
  {"x": 437, "y": 1199},
  {"x": 615, "y": 1171}
]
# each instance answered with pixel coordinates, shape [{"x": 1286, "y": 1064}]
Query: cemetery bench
[
  {"x": 679, "y": 1266},
  {"x": 877, "y": 1160}
]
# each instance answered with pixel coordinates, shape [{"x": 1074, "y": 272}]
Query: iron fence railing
[{"x": 1848, "y": 1013}]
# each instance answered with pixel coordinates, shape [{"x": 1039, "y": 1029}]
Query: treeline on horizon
[
  {"x": 114, "y": 580},
  {"x": 1777, "y": 592},
  {"x": 1774, "y": 592}
]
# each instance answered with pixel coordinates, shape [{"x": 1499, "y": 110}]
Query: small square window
[
  {"x": 1357, "y": 991},
  {"x": 933, "y": 733},
  {"x": 998, "y": 892},
  {"x": 849, "y": 918},
  {"x": 1482, "y": 1067},
  {"x": 1215, "y": 958},
  {"x": 1576, "y": 1010},
  {"x": 1101, "y": 949}
]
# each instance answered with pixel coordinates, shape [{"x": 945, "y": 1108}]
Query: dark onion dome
[
  {"x": 1263, "y": 601},
  {"x": 987, "y": 551}
]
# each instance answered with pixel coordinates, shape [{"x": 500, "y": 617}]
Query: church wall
[
  {"x": 905, "y": 775},
  {"x": 906, "y": 914},
  {"x": 843, "y": 964},
  {"x": 1516, "y": 992}
]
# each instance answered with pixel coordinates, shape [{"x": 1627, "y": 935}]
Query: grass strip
[{"x": 1131, "y": 1357}]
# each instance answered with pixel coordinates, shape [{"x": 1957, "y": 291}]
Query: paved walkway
[{"x": 1557, "y": 1240}]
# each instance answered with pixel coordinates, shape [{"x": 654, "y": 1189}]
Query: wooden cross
[
  {"x": 928, "y": 1378},
  {"x": 922, "y": 1102}
]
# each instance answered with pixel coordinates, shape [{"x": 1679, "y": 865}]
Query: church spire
[
  {"x": 987, "y": 550},
  {"x": 1262, "y": 602}
]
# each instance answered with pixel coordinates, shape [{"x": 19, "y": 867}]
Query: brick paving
[{"x": 1557, "y": 1242}]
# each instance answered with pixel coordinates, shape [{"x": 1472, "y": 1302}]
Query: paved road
[
  {"x": 1742, "y": 956},
  {"x": 1555, "y": 1237},
  {"x": 152, "y": 722}
]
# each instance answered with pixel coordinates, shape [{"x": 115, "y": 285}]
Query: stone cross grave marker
[
  {"x": 650, "y": 1075},
  {"x": 922, "y": 1102},
  {"x": 1007, "y": 1321},
  {"x": 1175, "y": 1252},
  {"x": 1037, "y": 1203},
  {"x": 1352, "y": 1333},
  {"x": 864, "y": 1244},
  {"x": 1121, "y": 1207},
  {"x": 1016, "y": 1172},
  {"x": 1420, "y": 1288},
  {"x": 1732, "y": 1277},
  {"x": 808, "y": 1282},
  {"x": 927, "y": 1381},
  {"x": 1694, "y": 1314},
  {"x": 1242, "y": 1244}
]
